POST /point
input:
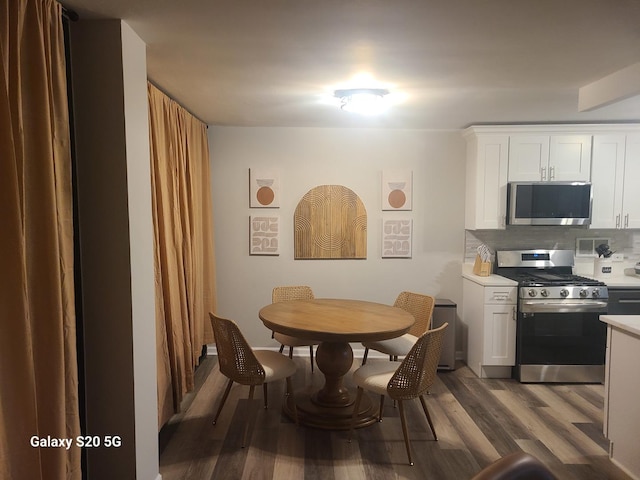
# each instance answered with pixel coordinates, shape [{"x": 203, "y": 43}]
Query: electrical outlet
[{"x": 617, "y": 257}]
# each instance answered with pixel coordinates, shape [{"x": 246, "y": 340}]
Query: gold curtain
[
  {"x": 184, "y": 259},
  {"x": 38, "y": 367}
]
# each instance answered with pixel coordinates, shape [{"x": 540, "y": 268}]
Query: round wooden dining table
[{"x": 335, "y": 323}]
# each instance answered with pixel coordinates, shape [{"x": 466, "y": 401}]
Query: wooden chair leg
[
  {"x": 264, "y": 389},
  {"x": 426, "y": 412},
  {"x": 281, "y": 348},
  {"x": 290, "y": 398},
  {"x": 356, "y": 406},
  {"x": 405, "y": 432},
  {"x": 247, "y": 419},
  {"x": 364, "y": 357},
  {"x": 381, "y": 407},
  {"x": 224, "y": 399},
  {"x": 311, "y": 356}
]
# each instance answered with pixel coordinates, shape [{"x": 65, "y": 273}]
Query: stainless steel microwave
[{"x": 549, "y": 203}]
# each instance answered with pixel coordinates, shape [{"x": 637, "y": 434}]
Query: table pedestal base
[
  {"x": 332, "y": 406},
  {"x": 312, "y": 414}
]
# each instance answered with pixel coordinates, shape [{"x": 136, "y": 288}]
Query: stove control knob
[
  {"x": 595, "y": 293},
  {"x": 564, "y": 293},
  {"x": 584, "y": 292},
  {"x": 544, "y": 292},
  {"x": 532, "y": 292}
]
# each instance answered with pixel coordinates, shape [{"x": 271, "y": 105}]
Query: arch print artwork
[{"x": 330, "y": 222}]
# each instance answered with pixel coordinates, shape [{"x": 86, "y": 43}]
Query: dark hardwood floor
[{"x": 477, "y": 422}]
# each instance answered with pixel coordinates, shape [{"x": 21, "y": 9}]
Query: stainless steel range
[{"x": 559, "y": 337}]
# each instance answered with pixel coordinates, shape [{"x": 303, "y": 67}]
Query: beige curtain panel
[
  {"x": 38, "y": 368},
  {"x": 184, "y": 258}
]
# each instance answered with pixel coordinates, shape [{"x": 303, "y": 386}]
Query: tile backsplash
[{"x": 626, "y": 242}]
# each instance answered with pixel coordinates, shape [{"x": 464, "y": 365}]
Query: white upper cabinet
[
  {"x": 541, "y": 158},
  {"x": 606, "y": 155},
  {"x": 615, "y": 174},
  {"x": 607, "y": 169},
  {"x": 486, "y": 182},
  {"x": 528, "y": 158},
  {"x": 631, "y": 190}
]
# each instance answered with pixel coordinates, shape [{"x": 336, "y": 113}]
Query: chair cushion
[
  {"x": 276, "y": 366},
  {"x": 374, "y": 376},
  {"x": 394, "y": 346},
  {"x": 293, "y": 341}
]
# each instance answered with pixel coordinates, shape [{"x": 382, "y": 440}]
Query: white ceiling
[{"x": 448, "y": 63}]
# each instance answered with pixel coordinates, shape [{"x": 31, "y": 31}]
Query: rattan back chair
[
  {"x": 283, "y": 294},
  {"x": 411, "y": 379},
  {"x": 240, "y": 364},
  {"x": 421, "y": 307}
]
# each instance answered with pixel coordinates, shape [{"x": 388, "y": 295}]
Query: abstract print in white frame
[
  {"x": 264, "y": 235},
  {"x": 396, "y": 238},
  {"x": 397, "y": 189},
  {"x": 264, "y": 188}
]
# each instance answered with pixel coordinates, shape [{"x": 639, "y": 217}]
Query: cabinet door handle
[
  {"x": 515, "y": 317},
  {"x": 552, "y": 173},
  {"x": 543, "y": 173},
  {"x": 626, "y": 221},
  {"x": 618, "y": 221}
]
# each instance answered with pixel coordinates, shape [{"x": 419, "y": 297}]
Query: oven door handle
[{"x": 532, "y": 306}]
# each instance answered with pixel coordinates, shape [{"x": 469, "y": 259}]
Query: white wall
[
  {"x": 115, "y": 228},
  {"x": 134, "y": 72},
  {"x": 355, "y": 158}
]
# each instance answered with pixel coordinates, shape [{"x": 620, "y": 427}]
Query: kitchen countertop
[
  {"x": 626, "y": 323},
  {"x": 621, "y": 281},
  {"x": 617, "y": 280},
  {"x": 490, "y": 281},
  {"x": 618, "y": 277}
]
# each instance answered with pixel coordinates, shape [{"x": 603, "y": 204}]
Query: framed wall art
[
  {"x": 330, "y": 222},
  {"x": 264, "y": 188},
  {"x": 264, "y": 235},
  {"x": 397, "y": 186},
  {"x": 396, "y": 238}
]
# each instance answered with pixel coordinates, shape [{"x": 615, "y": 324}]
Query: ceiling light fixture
[{"x": 365, "y": 101}]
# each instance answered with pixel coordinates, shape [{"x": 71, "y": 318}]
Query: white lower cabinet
[
  {"x": 490, "y": 316},
  {"x": 621, "y": 390}
]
